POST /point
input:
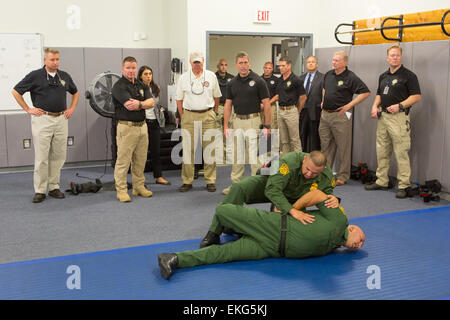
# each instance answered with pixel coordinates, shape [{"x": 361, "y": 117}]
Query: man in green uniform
[
  {"x": 297, "y": 174},
  {"x": 269, "y": 234}
]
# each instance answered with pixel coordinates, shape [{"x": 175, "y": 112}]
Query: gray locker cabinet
[
  {"x": 18, "y": 128},
  {"x": 366, "y": 63},
  {"x": 72, "y": 61},
  {"x": 96, "y": 61},
  {"x": 165, "y": 72},
  {"x": 3, "y": 148},
  {"x": 446, "y": 154},
  {"x": 430, "y": 60}
]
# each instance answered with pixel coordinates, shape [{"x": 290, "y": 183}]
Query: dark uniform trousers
[{"x": 309, "y": 132}]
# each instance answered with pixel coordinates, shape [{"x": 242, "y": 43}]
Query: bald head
[
  {"x": 318, "y": 158},
  {"x": 356, "y": 237}
]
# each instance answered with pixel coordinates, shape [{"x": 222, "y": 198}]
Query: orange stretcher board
[{"x": 421, "y": 26}]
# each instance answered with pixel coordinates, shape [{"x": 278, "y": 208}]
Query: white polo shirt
[{"x": 198, "y": 93}]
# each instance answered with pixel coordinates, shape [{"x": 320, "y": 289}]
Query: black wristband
[{"x": 400, "y": 107}]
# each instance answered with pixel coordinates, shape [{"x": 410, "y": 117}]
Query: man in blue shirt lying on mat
[{"x": 267, "y": 234}]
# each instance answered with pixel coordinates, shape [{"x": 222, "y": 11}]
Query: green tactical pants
[
  {"x": 248, "y": 190},
  {"x": 261, "y": 237}
]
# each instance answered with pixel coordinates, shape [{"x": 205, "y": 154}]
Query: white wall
[
  {"x": 319, "y": 17},
  {"x": 103, "y": 23},
  {"x": 182, "y": 24}
]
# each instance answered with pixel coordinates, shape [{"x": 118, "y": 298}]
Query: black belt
[
  {"x": 282, "y": 248},
  {"x": 384, "y": 109}
]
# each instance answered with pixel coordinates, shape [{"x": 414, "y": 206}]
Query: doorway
[{"x": 261, "y": 48}]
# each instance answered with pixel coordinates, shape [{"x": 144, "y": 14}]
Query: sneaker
[
  {"x": 374, "y": 186},
  {"x": 211, "y": 187},
  {"x": 401, "y": 193},
  {"x": 185, "y": 187},
  {"x": 226, "y": 190}
]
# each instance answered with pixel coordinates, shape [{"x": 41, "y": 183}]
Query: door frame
[{"x": 308, "y": 44}]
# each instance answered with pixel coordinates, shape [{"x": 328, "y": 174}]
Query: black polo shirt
[
  {"x": 124, "y": 90},
  {"x": 47, "y": 92},
  {"x": 272, "y": 83},
  {"x": 339, "y": 89},
  {"x": 289, "y": 90},
  {"x": 396, "y": 87},
  {"x": 247, "y": 93},
  {"x": 223, "y": 81}
]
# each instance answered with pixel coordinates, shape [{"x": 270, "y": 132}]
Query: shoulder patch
[
  {"x": 284, "y": 169},
  {"x": 313, "y": 186}
]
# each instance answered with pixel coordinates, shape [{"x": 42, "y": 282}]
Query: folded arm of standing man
[{"x": 124, "y": 97}]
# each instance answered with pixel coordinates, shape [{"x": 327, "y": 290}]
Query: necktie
[{"x": 308, "y": 83}]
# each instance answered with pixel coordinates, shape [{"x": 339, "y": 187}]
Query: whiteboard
[{"x": 20, "y": 53}]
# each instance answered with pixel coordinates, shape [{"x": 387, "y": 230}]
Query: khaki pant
[
  {"x": 132, "y": 149},
  {"x": 273, "y": 116},
  {"x": 207, "y": 120},
  {"x": 393, "y": 134},
  {"x": 220, "y": 124},
  {"x": 288, "y": 129},
  {"x": 246, "y": 143},
  {"x": 335, "y": 131},
  {"x": 50, "y": 150}
]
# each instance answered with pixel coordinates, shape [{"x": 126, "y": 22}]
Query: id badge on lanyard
[{"x": 386, "y": 88}]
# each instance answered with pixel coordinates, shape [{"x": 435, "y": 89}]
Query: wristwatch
[
  {"x": 267, "y": 126},
  {"x": 400, "y": 108},
  {"x": 140, "y": 105}
]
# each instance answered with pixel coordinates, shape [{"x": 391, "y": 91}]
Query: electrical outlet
[
  {"x": 70, "y": 141},
  {"x": 26, "y": 143}
]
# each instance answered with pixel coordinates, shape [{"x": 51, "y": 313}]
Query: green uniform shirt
[
  {"x": 287, "y": 185},
  {"x": 327, "y": 232}
]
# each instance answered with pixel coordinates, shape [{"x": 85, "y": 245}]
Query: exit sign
[{"x": 262, "y": 16}]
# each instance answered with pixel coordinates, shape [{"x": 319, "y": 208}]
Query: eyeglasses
[
  {"x": 52, "y": 82},
  {"x": 195, "y": 83}
]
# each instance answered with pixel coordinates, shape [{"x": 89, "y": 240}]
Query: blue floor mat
[{"x": 406, "y": 254}]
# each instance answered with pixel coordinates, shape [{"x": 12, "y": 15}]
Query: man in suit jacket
[{"x": 310, "y": 114}]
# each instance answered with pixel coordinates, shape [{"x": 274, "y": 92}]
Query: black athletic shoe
[
  {"x": 210, "y": 239},
  {"x": 167, "y": 263}
]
